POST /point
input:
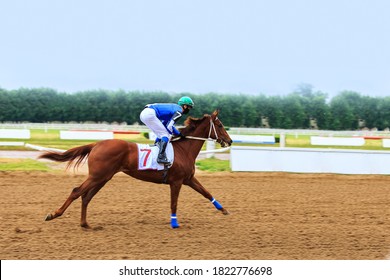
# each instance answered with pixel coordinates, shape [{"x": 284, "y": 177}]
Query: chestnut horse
[{"x": 108, "y": 157}]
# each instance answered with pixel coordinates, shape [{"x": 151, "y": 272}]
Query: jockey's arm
[
  {"x": 175, "y": 131},
  {"x": 170, "y": 126}
]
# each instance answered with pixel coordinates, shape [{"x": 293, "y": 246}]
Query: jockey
[{"x": 161, "y": 117}]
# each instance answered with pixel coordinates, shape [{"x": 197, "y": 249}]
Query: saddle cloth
[{"x": 147, "y": 157}]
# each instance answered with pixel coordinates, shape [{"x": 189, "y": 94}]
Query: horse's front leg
[
  {"x": 197, "y": 186},
  {"x": 175, "y": 190}
]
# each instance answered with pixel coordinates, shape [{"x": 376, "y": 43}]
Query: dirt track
[{"x": 273, "y": 216}]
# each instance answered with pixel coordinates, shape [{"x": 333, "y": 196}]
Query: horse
[{"x": 108, "y": 157}]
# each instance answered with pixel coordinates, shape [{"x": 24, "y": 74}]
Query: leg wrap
[
  {"x": 216, "y": 204},
  {"x": 174, "y": 223}
]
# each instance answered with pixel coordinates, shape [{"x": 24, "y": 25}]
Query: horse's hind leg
[
  {"x": 197, "y": 186},
  {"x": 86, "y": 198},
  {"x": 76, "y": 192},
  {"x": 86, "y": 186}
]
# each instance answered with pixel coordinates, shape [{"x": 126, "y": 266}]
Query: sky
[{"x": 196, "y": 46}]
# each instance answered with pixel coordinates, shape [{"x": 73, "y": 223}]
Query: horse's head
[
  {"x": 218, "y": 130},
  {"x": 208, "y": 127}
]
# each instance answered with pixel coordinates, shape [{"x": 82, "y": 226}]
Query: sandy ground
[{"x": 273, "y": 216}]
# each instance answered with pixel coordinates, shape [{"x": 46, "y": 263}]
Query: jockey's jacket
[{"x": 168, "y": 114}]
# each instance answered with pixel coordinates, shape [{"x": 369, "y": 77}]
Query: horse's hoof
[
  {"x": 175, "y": 224},
  {"x": 225, "y": 212},
  {"x": 49, "y": 217},
  {"x": 85, "y": 226}
]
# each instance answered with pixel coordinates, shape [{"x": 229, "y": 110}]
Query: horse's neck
[
  {"x": 190, "y": 147},
  {"x": 193, "y": 146}
]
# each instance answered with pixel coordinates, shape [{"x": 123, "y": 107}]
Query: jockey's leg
[{"x": 162, "y": 157}]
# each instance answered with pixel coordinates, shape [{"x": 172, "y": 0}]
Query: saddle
[{"x": 147, "y": 157}]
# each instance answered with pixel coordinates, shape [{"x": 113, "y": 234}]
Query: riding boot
[
  {"x": 157, "y": 141},
  {"x": 162, "y": 157}
]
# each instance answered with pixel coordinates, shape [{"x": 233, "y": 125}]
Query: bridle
[{"x": 212, "y": 128}]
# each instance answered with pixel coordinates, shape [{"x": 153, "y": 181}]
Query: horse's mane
[{"x": 192, "y": 123}]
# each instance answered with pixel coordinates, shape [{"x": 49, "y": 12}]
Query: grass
[
  {"x": 213, "y": 165},
  {"x": 22, "y": 165}
]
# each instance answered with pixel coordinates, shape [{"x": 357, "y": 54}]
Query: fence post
[
  {"x": 282, "y": 140},
  {"x": 210, "y": 145}
]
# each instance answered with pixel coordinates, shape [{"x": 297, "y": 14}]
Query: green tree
[{"x": 342, "y": 114}]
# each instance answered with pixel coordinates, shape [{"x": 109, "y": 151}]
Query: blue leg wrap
[
  {"x": 174, "y": 223},
  {"x": 165, "y": 139},
  {"x": 216, "y": 204}
]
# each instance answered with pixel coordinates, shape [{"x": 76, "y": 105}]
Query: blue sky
[{"x": 196, "y": 46}]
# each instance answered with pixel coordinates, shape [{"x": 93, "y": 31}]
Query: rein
[{"x": 212, "y": 128}]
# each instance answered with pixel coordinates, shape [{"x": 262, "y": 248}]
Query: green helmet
[{"x": 185, "y": 100}]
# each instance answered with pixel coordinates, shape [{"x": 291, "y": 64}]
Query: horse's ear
[{"x": 215, "y": 113}]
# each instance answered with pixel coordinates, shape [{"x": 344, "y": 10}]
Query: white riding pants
[{"x": 148, "y": 116}]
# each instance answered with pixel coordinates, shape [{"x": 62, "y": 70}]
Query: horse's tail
[{"x": 70, "y": 155}]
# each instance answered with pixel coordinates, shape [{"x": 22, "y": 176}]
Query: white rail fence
[
  {"x": 86, "y": 135},
  {"x": 337, "y": 141},
  {"x": 15, "y": 133}
]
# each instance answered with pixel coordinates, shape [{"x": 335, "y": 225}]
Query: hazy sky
[{"x": 196, "y": 46}]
